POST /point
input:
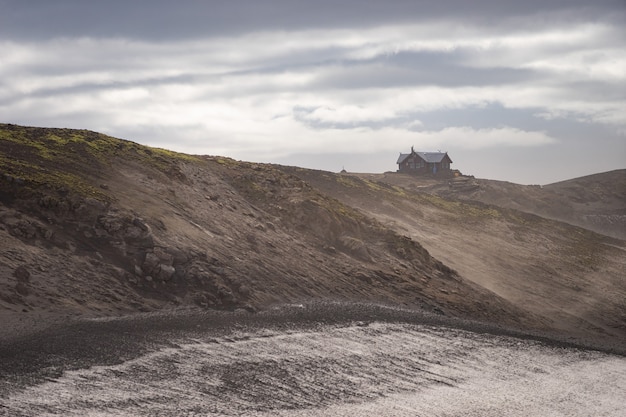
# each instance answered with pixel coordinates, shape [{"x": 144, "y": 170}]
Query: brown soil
[
  {"x": 595, "y": 202},
  {"x": 95, "y": 226},
  {"x": 571, "y": 276}
]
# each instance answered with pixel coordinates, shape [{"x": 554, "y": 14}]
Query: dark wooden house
[{"x": 425, "y": 163}]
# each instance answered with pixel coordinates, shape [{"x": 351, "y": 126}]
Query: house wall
[
  {"x": 416, "y": 165},
  {"x": 413, "y": 164}
]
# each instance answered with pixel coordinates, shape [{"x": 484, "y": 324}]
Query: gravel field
[{"x": 301, "y": 360}]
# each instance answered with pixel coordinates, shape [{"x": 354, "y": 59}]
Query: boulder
[
  {"x": 22, "y": 274},
  {"x": 165, "y": 272},
  {"x": 164, "y": 256},
  {"x": 22, "y": 289},
  {"x": 150, "y": 263},
  {"x": 355, "y": 247}
]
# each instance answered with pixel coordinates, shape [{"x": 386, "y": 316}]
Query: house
[{"x": 425, "y": 163}]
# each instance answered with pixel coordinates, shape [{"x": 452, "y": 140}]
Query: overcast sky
[{"x": 529, "y": 91}]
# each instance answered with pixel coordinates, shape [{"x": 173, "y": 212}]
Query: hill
[
  {"x": 595, "y": 202},
  {"x": 571, "y": 276},
  {"x": 98, "y": 226}
]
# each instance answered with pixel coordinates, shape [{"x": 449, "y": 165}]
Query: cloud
[
  {"x": 299, "y": 139},
  {"x": 162, "y": 20},
  {"x": 267, "y": 82}
]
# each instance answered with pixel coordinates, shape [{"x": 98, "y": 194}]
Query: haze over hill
[
  {"x": 595, "y": 202},
  {"x": 94, "y": 225}
]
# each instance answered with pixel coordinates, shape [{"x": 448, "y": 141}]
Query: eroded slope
[
  {"x": 95, "y": 225},
  {"x": 571, "y": 276}
]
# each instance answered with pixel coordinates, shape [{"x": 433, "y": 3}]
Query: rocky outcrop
[
  {"x": 109, "y": 235},
  {"x": 463, "y": 183}
]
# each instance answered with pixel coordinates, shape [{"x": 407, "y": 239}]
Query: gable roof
[
  {"x": 402, "y": 157},
  {"x": 430, "y": 157}
]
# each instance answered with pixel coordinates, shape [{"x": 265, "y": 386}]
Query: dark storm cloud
[{"x": 150, "y": 19}]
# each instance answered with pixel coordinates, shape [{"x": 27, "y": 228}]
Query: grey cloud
[
  {"x": 89, "y": 88},
  {"x": 485, "y": 117},
  {"x": 475, "y": 117},
  {"x": 331, "y": 75},
  {"x": 160, "y": 19},
  {"x": 418, "y": 69},
  {"x": 304, "y": 115},
  {"x": 595, "y": 90}
]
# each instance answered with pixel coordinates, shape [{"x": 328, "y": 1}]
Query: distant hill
[
  {"x": 596, "y": 202},
  {"x": 571, "y": 276},
  {"x": 93, "y": 225}
]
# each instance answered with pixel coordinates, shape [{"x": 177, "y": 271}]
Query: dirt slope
[
  {"x": 94, "y": 225},
  {"x": 596, "y": 202},
  {"x": 574, "y": 278}
]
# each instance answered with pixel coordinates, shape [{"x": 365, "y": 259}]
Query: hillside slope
[
  {"x": 572, "y": 277},
  {"x": 95, "y": 225},
  {"x": 596, "y": 202}
]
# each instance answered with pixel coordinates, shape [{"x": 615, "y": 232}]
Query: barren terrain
[
  {"x": 594, "y": 202},
  {"x": 304, "y": 360},
  {"x": 574, "y": 278},
  {"x": 97, "y": 226},
  {"x": 274, "y": 290}
]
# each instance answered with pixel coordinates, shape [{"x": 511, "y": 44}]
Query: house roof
[
  {"x": 431, "y": 157},
  {"x": 402, "y": 157}
]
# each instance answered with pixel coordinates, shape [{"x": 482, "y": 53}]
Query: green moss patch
[{"x": 73, "y": 160}]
